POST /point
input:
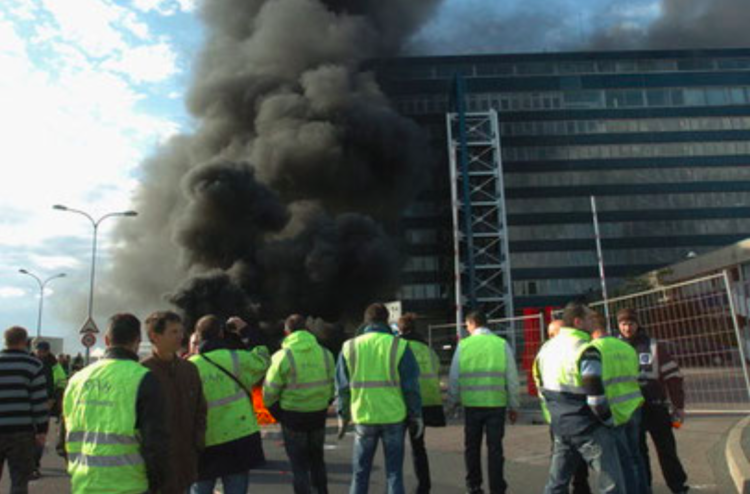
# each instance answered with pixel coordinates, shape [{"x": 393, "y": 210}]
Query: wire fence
[
  {"x": 525, "y": 334},
  {"x": 699, "y": 323}
]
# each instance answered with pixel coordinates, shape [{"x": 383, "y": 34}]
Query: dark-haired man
[
  {"x": 298, "y": 390},
  {"x": 185, "y": 406},
  {"x": 23, "y": 411},
  {"x": 568, "y": 374},
  {"x": 484, "y": 379},
  {"x": 377, "y": 378},
  {"x": 116, "y": 438}
]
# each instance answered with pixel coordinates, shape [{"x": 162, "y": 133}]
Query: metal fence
[
  {"x": 698, "y": 321},
  {"x": 525, "y": 334}
]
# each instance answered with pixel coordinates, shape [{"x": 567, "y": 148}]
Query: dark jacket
[
  {"x": 660, "y": 377},
  {"x": 150, "y": 422},
  {"x": 185, "y": 413},
  {"x": 24, "y": 408}
]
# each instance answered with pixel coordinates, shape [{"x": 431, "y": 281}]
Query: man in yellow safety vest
[
  {"x": 432, "y": 401},
  {"x": 233, "y": 444},
  {"x": 568, "y": 374},
  {"x": 116, "y": 439},
  {"x": 298, "y": 390},
  {"x": 377, "y": 378},
  {"x": 484, "y": 379}
]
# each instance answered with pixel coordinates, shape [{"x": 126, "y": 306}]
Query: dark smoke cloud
[
  {"x": 284, "y": 198},
  {"x": 487, "y": 26},
  {"x": 684, "y": 24}
]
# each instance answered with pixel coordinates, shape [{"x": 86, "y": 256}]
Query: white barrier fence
[{"x": 698, "y": 321}]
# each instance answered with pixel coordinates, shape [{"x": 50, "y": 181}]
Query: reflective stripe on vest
[
  {"x": 238, "y": 396},
  {"x": 620, "y": 368},
  {"x": 297, "y": 379},
  {"x": 100, "y": 413},
  {"x": 372, "y": 361},
  {"x": 481, "y": 375}
]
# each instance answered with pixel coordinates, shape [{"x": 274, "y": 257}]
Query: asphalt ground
[{"x": 700, "y": 444}]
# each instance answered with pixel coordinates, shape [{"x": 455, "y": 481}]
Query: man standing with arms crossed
[
  {"x": 661, "y": 382},
  {"x": 377, "y": 378},
  {"x": 568, "y": 373},
  {"x": 297, "y": 391},
  {"x": 484, "y": 379}
]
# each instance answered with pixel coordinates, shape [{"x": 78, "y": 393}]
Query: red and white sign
[{"x": 88, "y": 340}]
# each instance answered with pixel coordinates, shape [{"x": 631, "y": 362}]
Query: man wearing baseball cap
[{"x": 661, "y": 384}]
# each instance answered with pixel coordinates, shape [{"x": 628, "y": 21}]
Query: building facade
[{"x": 660, "y": 138}]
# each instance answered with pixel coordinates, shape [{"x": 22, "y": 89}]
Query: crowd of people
[{"x": 183, "y": 418}]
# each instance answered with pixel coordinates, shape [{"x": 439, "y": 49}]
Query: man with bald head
[{"x": 554, "y": 328}]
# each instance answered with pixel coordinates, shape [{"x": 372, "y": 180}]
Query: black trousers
[
  {"x": 479, "y": 422},
  {"x": 421, "y": 463},
  {"x": 305, "y": 451},
  {"x": 657, "y": 421}
]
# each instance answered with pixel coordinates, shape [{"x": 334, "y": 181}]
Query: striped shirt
[{"x": 23, "y": 393}]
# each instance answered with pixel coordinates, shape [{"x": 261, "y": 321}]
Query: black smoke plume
[
  {"x": 285, "y": 197},
  {"x": 487, "y": 26}
]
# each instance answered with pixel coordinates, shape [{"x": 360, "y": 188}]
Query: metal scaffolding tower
[{"x": 480, "y": 226}]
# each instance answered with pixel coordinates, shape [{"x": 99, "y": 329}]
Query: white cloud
[
  {"x": 149, "y": 63},
  {"x": 165, "y": 7},
  {"x": 76, "y": 77},
  {"x": 11, "y": 292},
  {"x": 52, "y": 263}
]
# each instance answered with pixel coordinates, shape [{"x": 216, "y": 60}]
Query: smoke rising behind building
[{"x": 285, "y": 196}]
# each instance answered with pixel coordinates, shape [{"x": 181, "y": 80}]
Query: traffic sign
[
  {"x": 89, "y": 327},
  {"x": 88, "y": 340}
]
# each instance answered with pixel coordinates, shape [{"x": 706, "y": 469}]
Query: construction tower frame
[{"x": 480, "y": 225}]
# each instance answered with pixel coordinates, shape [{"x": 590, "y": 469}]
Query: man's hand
[
  {"x": 343, "y": 424},
  {"x": 512, "y": 416},
  {"x": 237, "y": 322},
  {"x": 418, "y": 425},
  {"x": 678, "y": 415},
  {"x": 41, "y": 439}
]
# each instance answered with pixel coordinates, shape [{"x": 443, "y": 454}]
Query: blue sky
[{"x": 90, "y": 88}]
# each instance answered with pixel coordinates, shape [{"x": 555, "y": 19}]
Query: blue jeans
[
  {"x": 366, "y": 443},
  {"x": 233, "y": 484},
  {"x": 633, "y": 465},
  {"x": 599, "y": 449}
]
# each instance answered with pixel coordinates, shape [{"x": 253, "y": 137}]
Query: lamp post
[
  {"x": 95, "y": 223},
  {"x": 42, "y": 285}
]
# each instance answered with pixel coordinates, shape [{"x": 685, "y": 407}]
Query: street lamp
[
  {"x": 42, "y": 284},
  {"x": 95, "y": 224}
]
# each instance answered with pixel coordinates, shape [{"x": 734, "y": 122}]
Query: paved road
[{"x": 526, "y": 447}]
